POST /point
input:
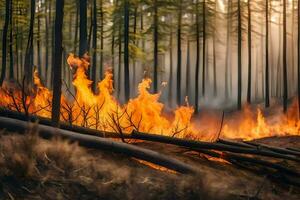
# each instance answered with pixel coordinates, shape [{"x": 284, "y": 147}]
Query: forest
[
  {"x": 229, "y": 51},
  {"x": 196, "y": 91}
]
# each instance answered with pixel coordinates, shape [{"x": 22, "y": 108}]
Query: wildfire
[{"x": 100, "y": 110}]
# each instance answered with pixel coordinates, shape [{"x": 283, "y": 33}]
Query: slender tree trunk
[
  {"x": 293, "y": 48},
  {"x": 188, "y": 70},
  {"x": 17, "y": 44},
  {"x": 126, "y": 50},
  {"x": 135, "y": 43},
  {"x": 120, "y": 55},
  {"x": 76, "y": 26},
  {"x": 279, "y": 71},
  {"x": 171, "y": 68},
  {"x": 285, "y": 84},
  {"x": 89, "y": 38},
  {"x": 94, "y": 45},
  {"x": 267, "y": 95},
  {"x": 239, "y": 96},
  {"x": 113, "y": 50},
  {"x": 11, "y": 58},
  {"x": 82, "y": 27},
  {"x": 179, "y": 53},
  {"x": 228, "y": 52},
  {"x": 249, "y": 53},
  {"x": 155, "y": 50},
  {"x": 52, "y": 45},
  {"x": 39, "y": 59},
  {"x": 46, "y": 43},
  {"x": 55, "y": 114},
  {"x": 214, "y": 50},
  {"x": 204, "y": 46},
  {"x": 4, "y": 40},
  {"x": 101, "y": 38},
  {"x": 28, "y": 63},
  {"x": 197, "y": 58},
  {"x": 298, "y": 59}
]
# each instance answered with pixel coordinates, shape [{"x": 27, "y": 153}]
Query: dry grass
[{"x": 33, "y": 168}]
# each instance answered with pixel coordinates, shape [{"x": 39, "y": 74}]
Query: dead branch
[{"x": 99, "y": 143}]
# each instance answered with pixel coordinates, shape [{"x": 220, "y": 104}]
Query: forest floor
[{"x": 34, "y": 168}]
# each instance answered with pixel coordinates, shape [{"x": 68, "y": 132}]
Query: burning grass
[{"x": 143, "y": 113}]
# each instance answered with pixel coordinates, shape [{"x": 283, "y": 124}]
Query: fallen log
[
  {"x": 275, "y": 149},
  {"x": 62, "y": 125},
  {"x": 290, "y": 175},
  {"x": 225, "y": 145},
  {"x": 99, "y": 143},
  {"x": 208, "y": 145},
  {"x": 234, "y": 143}
]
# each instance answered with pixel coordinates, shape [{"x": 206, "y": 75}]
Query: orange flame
[{"x": 100, "y": 110}]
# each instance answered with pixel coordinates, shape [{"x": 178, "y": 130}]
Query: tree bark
[
  {"x": 249, "y": 53},
  {"x": 46, "y": 42},
  {"x": 11, "y": 54},
  {"x": 38, "y": 41},
  {"x": 197, "y": 58},
  {"x": 298, "y": 60},
  {"x": 59, "y": 16},
  {"x": 4, "y": 40},
  {"x": 28, "y": 63},
  {"x": 171, "y": 67},
  {"x": 179, "y": 52},
  {"x": 101, "y": 38},
  {"x": 126, "y": 50},
  {"x": 267, "y": 95},
  {"x": 203, "y": 46},
  {"x": 285, "y": 84},
  {"x": 95, "y": 24},
  {"x": 82, "y": 27},
  {"x": 155, "y": 49},
  {"x": 239, "y": 92}
]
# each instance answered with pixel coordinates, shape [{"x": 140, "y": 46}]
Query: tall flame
[{"x": 100, "y": 110}]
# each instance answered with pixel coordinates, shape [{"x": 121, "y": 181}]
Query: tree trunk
[
  {"x": 82, "y": 27},
  {"x": 28, "y": 63},
  {"x": 239, "y": 96},
  {"x": 171, "y": 68},
  {"x": 126, "y": 50},
  {"x": 285, "y": 84},
  {"x": 197, "y": 57},
  {"x": 11, "y": 55},
  {"x": 228, "y": 52},
  {"x": 155, "y": 50},
  {"x": 203, "y": 46},
  {"x": 76, "y": 26},
  {"x": 299, "y": 60},
  {"x": 267, "y": 95},
  {"x": 94, "y": 68},
  {"x": 135, "y": 43},
  {"x": 188, "y": 70},
  {"x": 39, "y": 59},
  {"x": 214, "y": 50},
  {"x": 249, "y": 53},
  {"x": 179, "y": 53},
  {"x": 120, "y": 54},
  {"x": 4, "y": 40},
  {"x": 101, "y": 38},
  {"x": 59, "y": 16},
  {"x": 46, "y": 42}
]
